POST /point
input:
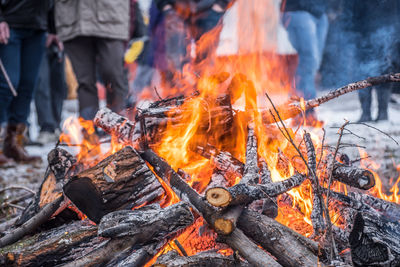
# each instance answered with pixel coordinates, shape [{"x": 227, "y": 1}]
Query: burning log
[
  {"x": 243, "y": 194},
  {"x": 353, "y": 176},
  {"x": 282, "y": 242},
  {"x": 223, "y": 161},
  {"x": 120, "y": 181},
  {"x": 269, "y": 205},
  {"x": 129, "y": 228},
  {"x": 138, "y": 257},
  {"x": 205, "y": 259},
  {"x": 292, "y": 109},
  {"x": 53, "y": 247},
  {"x": 374, "y": 241},
  {"x": 236, "y": 240},
  {"x": 317, "y": 214},
  {"x": 60, "y": 163}
]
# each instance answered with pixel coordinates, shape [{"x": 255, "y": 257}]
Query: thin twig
[
  {"x": 17, "y": 187},
  {"x": 158, "y": 95},
  {"x": 372, "y": 127}
]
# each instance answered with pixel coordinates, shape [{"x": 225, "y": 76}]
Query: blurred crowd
[{"x": 51, "y": 49}]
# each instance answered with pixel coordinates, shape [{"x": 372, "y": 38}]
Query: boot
[
  {"x": 13, "y": 144},
  {"x": 3, "y": 159},
  {"x": 383, "y": 103},
  {"x": 365, "y": 97}
]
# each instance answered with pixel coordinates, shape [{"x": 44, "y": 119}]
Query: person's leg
[
  {"x": 58, "y": 88},
  {"x": 302, "y": 32},
  {"x": 32, "y": 49},
  {"x": 43, "y": 98},
  {"x": 322, "y": 32},
  {"x": 111, "y": 62},
  {"x": 81, "y": 52},
  {"x": 10, "y": 55},
  {"x": 365, "y": 97},
  {"x": 383, "y": 92}
]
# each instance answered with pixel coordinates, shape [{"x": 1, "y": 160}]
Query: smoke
[{"x": 362, "y": 41}]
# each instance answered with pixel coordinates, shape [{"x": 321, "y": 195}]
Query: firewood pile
[{"x": 130, "y": 208}]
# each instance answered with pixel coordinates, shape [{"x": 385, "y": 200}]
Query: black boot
[
  {"x": 365, "y": 97},
  {"x": 384, "y": 94}
]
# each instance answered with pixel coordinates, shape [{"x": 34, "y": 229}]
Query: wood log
[
  {"x": 138, "y": 257},
  {"x": 223, "y": 161},
  {"x": 374, "y": 241},
  {"x": 148, "y": 224},
  {"x": 243, "y": 194},
  {"x": 204, "y": 259},
  {"x": 293, "y": 108},
  {"x": 60, "y": 164},
  {"x": 32, "y": 224},
  {"x": 317, "y": 214},
  {"x": 120, "y": 181},
  {"x": 353, "y": 176},
  {"x": 237, "y": 240},
  {"x": 128, "y": 228},
  {"x": 282, "y": 242},
  {"x": 267, "y": 206},
  {"x": 53, "y": 247}
]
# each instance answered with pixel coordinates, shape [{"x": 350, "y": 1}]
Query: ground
[{"x": 383, "y": 150}]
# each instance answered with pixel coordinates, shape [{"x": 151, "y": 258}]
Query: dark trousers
[
  {"x": 90, "y": 54},
  {"x": 50, "y": 92},
  {"x": 21, "y": 58}
]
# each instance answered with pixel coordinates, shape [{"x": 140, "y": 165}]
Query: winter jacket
[
  {"x": 315, "y": 7},
  {"x": 28, "y": 14},
  {"x": 99, "y": 18}
]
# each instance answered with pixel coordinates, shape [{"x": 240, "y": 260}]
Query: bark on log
[
  {"x": 237, "y": 240},
  {"x": 60, "y": 164},
  {"x": 121, "y": 181},
  {"x": 204, "y": 259},
  {"x": 317, "y": 214},
  {"x": 147, "y": 224},
  {"x": 375, "y": 241},
  {"x": 32, "y": 224},
  {"x": 292, "y": 109},
  {"x": 353, "y": 176},
  {"x": 243, "y": 194},
  {"x": 267, "y": 206},
  {"x": 282, "y": 242},
  {"x": 138, "y": 257},
  {"x": 53, "y": 247}
]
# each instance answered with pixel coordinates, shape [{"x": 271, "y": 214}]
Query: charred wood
[
  {"x": 205, "y": 259},
  {"x": 32, "y": 224},
  {"x": 374, "y": 241},
  {"x": 121, "y": 181},
  {"x": 353, "y": 176},
  {"x": 236, "y": 240},
  {"x": 282, "y": 242},
  {"x": 55, "y": 246},
  {"x": 243, "y": 194}
]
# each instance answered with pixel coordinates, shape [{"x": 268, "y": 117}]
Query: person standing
[
  {"x": 94, "y": 34},
  {"x": 23, "y": 25},
  {"x": 50, "y": 92},
  {"x": 307, "y": 25}
]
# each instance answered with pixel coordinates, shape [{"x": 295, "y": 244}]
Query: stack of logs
[{"x": 109, "y": 214}]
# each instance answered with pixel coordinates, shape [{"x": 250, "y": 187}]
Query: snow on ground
[{"x": 381, "y": 148}]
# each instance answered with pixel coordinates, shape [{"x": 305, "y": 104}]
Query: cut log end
[
  {"x": 367, "y": 180},
  {"x": 218, "y": 197},
  {"x": 224, "y": 226}
]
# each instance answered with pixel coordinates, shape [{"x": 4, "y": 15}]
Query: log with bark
[
  {"x": 204, "y": 259},
  {"x": 128, "y": 229},
  {"x": 53, "y": 247},
  {"x": 120, "y": 181},
  {"x": 374, "y": 241},
  {"x": 243, "y": 194},
  {"x": 236, "y": 240},
  {"x": 287, "y": 246}
]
